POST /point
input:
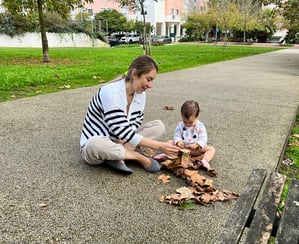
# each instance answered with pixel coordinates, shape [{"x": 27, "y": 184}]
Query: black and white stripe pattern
[{"x": 113, "y": 123}]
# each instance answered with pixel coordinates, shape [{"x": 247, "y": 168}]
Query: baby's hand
[
  {"x": 193, "y": 146},
  {"x": 180, "y": 144}
]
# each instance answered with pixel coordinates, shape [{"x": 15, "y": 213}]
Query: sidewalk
[{"x": 48, "y": 195}]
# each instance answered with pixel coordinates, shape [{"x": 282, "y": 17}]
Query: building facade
[{"x": 165, "y": 16}]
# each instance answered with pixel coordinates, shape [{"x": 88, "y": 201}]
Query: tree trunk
[
  {"x": 45, "y": 47},
  {"x": 245, "y": 26},
  {"x": 146, "y": 46},
  {"x": 147, "y": 43}
]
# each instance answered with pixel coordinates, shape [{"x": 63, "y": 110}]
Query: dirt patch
[{"x": 34, "y": 61}]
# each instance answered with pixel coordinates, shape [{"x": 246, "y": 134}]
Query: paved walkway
[{"x": 47, "y": 195}]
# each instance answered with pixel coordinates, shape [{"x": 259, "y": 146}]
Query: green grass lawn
[
  {"x": 291, "y": 155},
  {"x": 23, "y": 74}
]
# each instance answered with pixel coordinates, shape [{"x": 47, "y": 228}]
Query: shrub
[
  {"x": 16, "y": 24},
  {"x": 188, "y": 39},
  {"x": 7, "y": 25},
  {"x": 19, "y": 24},
  {"x": 54, "y": 23}
]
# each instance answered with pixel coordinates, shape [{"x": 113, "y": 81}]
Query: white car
[{"x": 129, "y": 39}]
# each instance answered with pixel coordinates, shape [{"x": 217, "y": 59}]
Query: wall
[{"x": 54, "y": 40}]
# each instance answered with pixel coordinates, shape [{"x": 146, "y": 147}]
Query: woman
[{"x": 113, "y": 129}]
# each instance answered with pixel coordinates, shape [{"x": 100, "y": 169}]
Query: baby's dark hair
[{"x": 190, "y": 108}]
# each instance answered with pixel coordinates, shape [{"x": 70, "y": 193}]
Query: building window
[
  {"x": 177, "y": 11},
  {"x": 172, "y": 11}
]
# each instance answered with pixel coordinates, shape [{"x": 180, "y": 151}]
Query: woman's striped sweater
[{"x": 106, "y": 115}]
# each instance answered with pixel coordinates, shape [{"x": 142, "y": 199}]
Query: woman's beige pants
[{"x": 100, "y": 148}]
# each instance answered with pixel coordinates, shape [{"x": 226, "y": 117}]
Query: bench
[{"x": 247, "y": 224}]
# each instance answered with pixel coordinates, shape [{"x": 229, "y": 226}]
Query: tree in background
[
  {"x": 250, "y": 16},
  {"x": 291, "y": 17},
  {"x": 113, "y": 20},
  {"x": 138, "y": 26},
  {"x": 241, "y": 17},
  {"x": 269, "y": 20},
  {"x": 196, "y": 25},
  {"x": 138, "y": 5},
  {"x": 41, "y": 7},
  {"x": 84, "y": 20},
  {"x": 224, "y": 15}
]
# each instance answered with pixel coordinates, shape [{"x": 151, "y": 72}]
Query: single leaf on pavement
[
  {"x": 185, "y": 192},
  {"x": 169, "y": 107},
  {"x": 187, "y": 205},
  {"x": 164, "y": 178}
]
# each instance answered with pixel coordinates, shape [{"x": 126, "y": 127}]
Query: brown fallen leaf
[
  {"x": 164, "y": 178},
  {"x": 162, "y": 198},
  {"x": 185, "y": 192},
  {"x": 43, "y": 205},
  {"x": 169, "y": 107},
  {"x": 175, "y": 199}
]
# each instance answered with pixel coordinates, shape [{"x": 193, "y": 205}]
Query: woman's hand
[{"x": 169, "y": 149}]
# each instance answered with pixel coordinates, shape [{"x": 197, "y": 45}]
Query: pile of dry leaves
[{"x": 200, "y": 189}]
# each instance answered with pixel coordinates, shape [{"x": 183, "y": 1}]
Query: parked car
[
  {"x": 113, "y": 41},
  {"x": 147, "y": 39},
  {"x": 129, "y": 39},
  {"x": 162, "y": 39}
]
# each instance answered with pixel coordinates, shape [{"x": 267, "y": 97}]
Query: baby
[{"x": 191, "y": 133}]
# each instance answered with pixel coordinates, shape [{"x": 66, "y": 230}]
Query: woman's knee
[
  {"x": 159, "y": 128},
  {"x": 93, "y": 146},
  {"x": 99, "y": 148},
  {"x": 153, "y": 129}
]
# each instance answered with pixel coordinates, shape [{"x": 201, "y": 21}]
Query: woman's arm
[{"x": 165, "y": 147}]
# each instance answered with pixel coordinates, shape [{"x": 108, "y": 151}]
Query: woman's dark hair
[
  {"x": 142, "y": 65},
  {"x": 190, "y": 108}
]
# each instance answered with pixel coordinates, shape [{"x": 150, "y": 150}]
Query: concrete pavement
[{"x": 48, "y": 195}]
